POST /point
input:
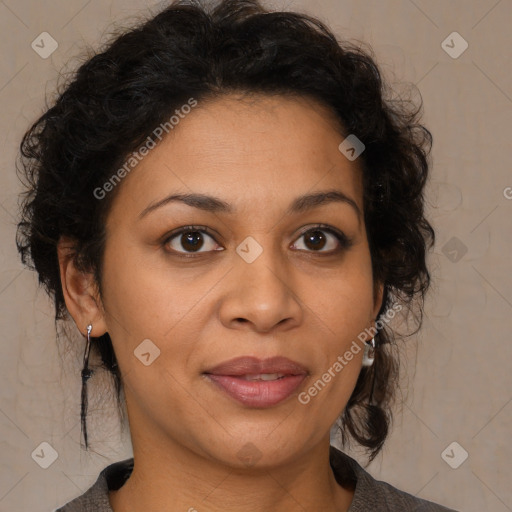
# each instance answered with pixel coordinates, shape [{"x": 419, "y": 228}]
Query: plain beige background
[{"x": 458, "y": 385}]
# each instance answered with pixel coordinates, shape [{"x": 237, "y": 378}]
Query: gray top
[{"x": 370, "y": 495}]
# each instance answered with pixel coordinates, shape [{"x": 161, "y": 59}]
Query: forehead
[{"x": 249, "y": 150}]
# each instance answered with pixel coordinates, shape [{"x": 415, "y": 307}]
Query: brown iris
[{"x": 315, "y": 239}]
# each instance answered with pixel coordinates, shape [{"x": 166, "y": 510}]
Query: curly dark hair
[{"x": 118, "y": 96}]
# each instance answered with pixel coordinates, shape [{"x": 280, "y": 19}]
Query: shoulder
[
  {"x": 95, "y": 499},
  {"x": 369, "y": 494},
  {"x": 375, "y": 495}
]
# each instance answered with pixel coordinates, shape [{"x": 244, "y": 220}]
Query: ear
[
  {"x": 378, "y": 296},
  {"x": 80, "y": 291}
]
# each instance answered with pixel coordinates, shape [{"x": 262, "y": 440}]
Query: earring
[
  {"x": 369, "y": 353},
  {"x": 86, "y": 374}
]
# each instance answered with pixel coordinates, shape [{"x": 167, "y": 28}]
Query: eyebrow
[{"x": 215, "y": 205}]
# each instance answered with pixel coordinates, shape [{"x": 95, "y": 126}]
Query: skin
[{"x": 307, "y": 303}]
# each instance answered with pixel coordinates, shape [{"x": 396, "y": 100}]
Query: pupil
[
  {"x": 314, "y": 237},
  {"x": 191, "y": 240}
]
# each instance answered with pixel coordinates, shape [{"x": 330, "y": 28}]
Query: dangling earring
[
  {"x": 369, "y": 353},
  {"x": 86, "y": 374}
]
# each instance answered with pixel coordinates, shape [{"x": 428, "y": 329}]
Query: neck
[{"x": 181, "y": 480}]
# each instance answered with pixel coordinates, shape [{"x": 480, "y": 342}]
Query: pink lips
[{"x": 235, "y": 377}]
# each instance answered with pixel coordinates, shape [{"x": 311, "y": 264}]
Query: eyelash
[{"x": 344, "y": 241}]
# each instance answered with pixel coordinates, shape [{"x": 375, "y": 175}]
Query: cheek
[
  {"x": 131, "y": 299},
  {"x": 135, "y": 292},
  {"x": 146, "y": 301},
  {"x": 143, "y": 315},
  {"x": 344, "y": 306},
  {"x": 347, "y": 296},
  {"x": 338, "y": 352}
]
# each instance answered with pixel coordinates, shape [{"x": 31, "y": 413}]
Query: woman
[{"x": 231, "y": 213}]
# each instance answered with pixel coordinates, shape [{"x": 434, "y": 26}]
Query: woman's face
[{"x": 255, "y": 277}]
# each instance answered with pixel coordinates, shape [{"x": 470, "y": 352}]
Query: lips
[
  {"x": 258, "y": 383},
  {"x": 253, "y": 365}
]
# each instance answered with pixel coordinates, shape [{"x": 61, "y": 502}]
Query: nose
[{"x": 261, "y": 296}]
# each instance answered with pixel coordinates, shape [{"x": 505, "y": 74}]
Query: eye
[
  {"x": 192, "y": 239},
  {"x": 189, "y": 240},
  {"x": 316, "y": 240}
]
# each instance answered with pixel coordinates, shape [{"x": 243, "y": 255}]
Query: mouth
[
  {"x": 257, "y": 383},
  {"x": 264, "y": 376}
]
